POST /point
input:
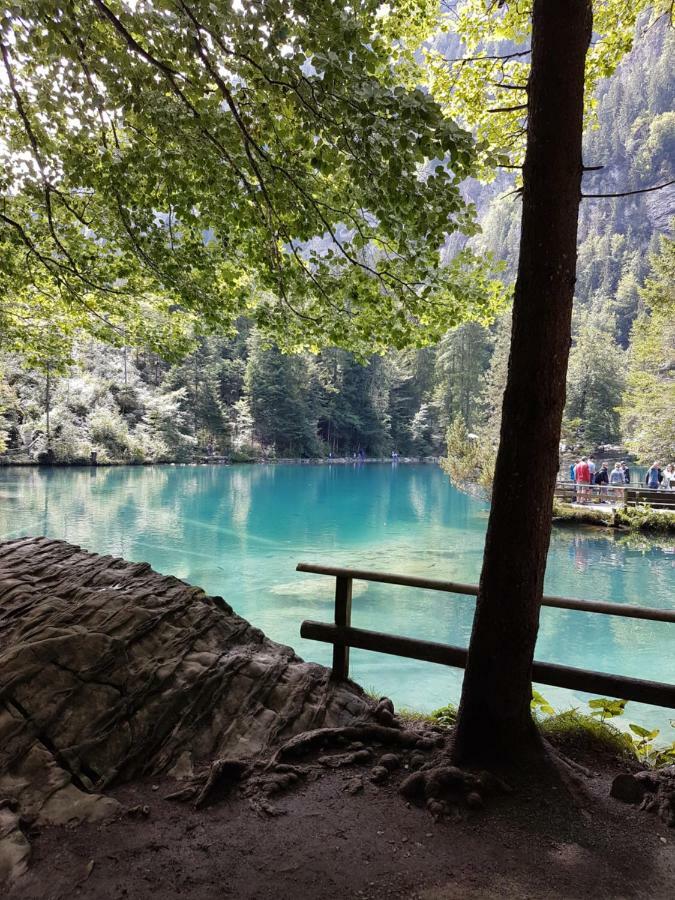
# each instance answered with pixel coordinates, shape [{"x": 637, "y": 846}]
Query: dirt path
[{"x": 331, "y": 844}]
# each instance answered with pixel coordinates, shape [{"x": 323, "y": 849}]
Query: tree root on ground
[
  {"x": 328, "y": 748},
  {"x": 416, "y": 758},
  {"x": 653, "y": 790},
  {"x": 444, "y": 788}
]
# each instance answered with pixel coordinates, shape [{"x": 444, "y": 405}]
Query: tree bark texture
[{"x": 494, "y": 716}]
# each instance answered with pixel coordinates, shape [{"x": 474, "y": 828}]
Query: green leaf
[{"x": 643, "y": 732}]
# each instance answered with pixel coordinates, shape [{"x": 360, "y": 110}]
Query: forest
[{"x": 242, "y": 397}]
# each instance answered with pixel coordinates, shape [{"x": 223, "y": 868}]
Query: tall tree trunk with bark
[{"x": 494, "y": 715}]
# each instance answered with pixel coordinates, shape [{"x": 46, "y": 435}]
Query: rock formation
[{"x": 110, "y": 671}]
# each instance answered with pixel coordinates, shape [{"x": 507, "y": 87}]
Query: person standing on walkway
[
  {"x": 592, "y": 469},
  {"x": 617, "y": 479},
  {"x": 653, "y": 477},
  {"x": 626, "y": 472},
  {"x": 602, "y": 480},
  {"x": 583, "y": 477},
  {"x": 668, "y": 483}
]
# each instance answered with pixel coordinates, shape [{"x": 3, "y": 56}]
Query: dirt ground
[{"x": 328, "y": 843}]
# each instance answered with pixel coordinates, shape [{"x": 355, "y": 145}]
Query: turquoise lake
[{"x": 239, "y": 531}]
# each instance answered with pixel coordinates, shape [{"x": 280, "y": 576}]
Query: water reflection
[{"x": 239, "y": 531}]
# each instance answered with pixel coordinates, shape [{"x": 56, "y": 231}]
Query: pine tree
[
  {"x": 277, "y": 391},
  {"x": 648, "y": 405},
  {"x": 595, "y": 382}
]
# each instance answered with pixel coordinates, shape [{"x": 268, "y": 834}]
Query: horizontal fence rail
[
  {"x": 451, "y": 587},
  {"x": 343, "y": 636},
  {"x": 617, "y": 494}
]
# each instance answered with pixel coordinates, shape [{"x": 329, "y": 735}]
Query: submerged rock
[{"x": 109, "y": 671}]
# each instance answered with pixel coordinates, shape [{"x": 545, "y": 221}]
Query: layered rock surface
[{"x": 110, "y": 671}]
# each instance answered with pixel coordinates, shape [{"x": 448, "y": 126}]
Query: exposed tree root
[
  {"x": 569, "y": 763},
  {"x": 653, "y": 790},
  {"x": 444, "y": 787},
  {"x": 322, "y": 738}
]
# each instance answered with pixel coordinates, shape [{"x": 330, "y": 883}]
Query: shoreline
[
  {"x": 615, "y": 519},
  {"x": 652, "y": 521},
  {"x": 220, "y": 461}
]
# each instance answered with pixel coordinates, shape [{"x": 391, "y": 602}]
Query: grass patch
[
  {"x": 572, "y": 730},
  {"x": 645, "y": 518},
  {"x": 414, "y": 716},
  {"x": 562, "y": 512}
]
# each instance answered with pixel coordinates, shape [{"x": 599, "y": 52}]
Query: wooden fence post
[{"x": 343, "y": 617}]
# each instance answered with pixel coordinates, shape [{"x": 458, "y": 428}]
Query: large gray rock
[{"x": 109, "y": 671}]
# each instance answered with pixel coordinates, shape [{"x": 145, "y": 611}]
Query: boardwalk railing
[
  {"x": 342, "y": 636},
  {"x": 628, "y": 495}
]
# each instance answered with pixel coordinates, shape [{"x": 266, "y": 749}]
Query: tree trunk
[
  {"x": 494, "y": 716},
  {"x": 48, "y": 405}
]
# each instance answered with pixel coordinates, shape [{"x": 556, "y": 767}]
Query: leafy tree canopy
[{"x": 172, "y": 162}]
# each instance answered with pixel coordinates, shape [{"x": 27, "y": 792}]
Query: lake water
[{"x": 239, "y": 531}]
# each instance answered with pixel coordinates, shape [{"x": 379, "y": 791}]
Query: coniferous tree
[
  {"x": 277, "y": 391},
  {"x": 648, "y": 407},
  {"x": 595, "y": 381}
]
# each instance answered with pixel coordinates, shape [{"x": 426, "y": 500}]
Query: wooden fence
[{"x": 342, "y": 636}]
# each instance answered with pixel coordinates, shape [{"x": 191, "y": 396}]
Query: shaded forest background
[{"x": 242, "y": 398}]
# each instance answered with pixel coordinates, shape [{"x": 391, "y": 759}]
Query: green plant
[
  {"x": 606, "y": 708},
  {"x": 641, "y": 739},
  {"x": 645, "y": 738},
  {"x": 445, "y": 716},
  {"x": 645, "y": 518},
  {"x": 540, "y": 705},
  {"x": 645, "y": 750},
  {"x": 662, "y": 756}
]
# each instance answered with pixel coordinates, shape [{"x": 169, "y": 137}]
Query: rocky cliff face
[{"x": 661, "y": 208}]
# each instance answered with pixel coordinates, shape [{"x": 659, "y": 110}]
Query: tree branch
[
  {"x": 500, "y": 109},
  {"x": 509, "y": 87},
  {"x": 656, "y": 187},
  {"x": 466, "y": 59},
  {"x": 132, "y": 42}
]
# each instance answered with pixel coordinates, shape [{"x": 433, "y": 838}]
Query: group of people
[
  {"x": 585, "y": 473},
  {"x": 661, "y": 479}
]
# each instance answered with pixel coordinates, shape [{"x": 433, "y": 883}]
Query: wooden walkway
[{"x": 610, "y": 496}]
